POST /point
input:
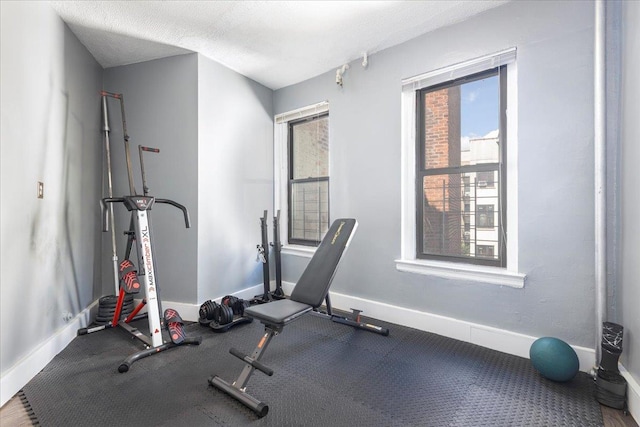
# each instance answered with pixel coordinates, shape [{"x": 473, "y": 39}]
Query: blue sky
[{"x": 479, "y": 107}]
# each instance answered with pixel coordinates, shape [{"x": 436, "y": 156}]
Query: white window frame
[
  {"x": 281, "y": 172},
  {"x": 509, "y": 276}
]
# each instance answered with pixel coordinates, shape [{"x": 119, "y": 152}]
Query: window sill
[
  {"x": 452, "y": 270},
  {"x": 299, "y": 250}
]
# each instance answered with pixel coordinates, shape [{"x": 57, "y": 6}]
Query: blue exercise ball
[{"x": 554, "y": 359}]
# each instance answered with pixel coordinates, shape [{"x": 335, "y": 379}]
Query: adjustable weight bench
[{"x": 309, "y": 293}]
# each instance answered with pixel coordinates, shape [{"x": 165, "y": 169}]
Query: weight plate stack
[{"x": 107, "y": 307}]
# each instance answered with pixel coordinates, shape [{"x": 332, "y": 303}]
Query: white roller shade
[
  {"x": 311, "y": 110},
  {"x": 462, "y": 69}
]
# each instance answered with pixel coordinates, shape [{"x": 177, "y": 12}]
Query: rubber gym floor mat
[{"x": 325, "y": 374}]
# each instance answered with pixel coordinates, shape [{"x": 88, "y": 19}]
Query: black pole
[
  {"x": 131, "y": 232},
  {"x": 277, "y": 246},
  {"x": 131, "y": 237},
  {"x": 107, "y": 147},
  {"x": 145, "y": 189},
  {"x": 119, "y": 96},
  {"x": 264, "y": 251},
  {"x": 132, "y": 188},
  {"x": 442, "y": 245}
]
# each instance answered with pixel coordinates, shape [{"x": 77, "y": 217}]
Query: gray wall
[
  {"x": 629, "y": 283},
  {"x": 50, "y": 132},
  {"x": 235, "y": 177},
  {"x": 555, "y": 167},
  {"x": 205, "y": 118},
  {"x": 161, "y": 109}
]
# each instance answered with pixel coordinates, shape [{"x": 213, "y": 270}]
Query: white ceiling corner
[{"x": 276, "y": 43}]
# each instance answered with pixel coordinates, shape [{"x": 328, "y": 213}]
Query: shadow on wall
[
  {"x": 57, "y": 242},
  {"x": 251, "y": 274}
]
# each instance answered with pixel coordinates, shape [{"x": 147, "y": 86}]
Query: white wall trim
[
  {"x": 408, "y": 261},
  {"x": 299, "y": 250},
  {"x": 633, "y": 393},
  {"x": 486, "y": 336},
  {"x": 191, "y": 312},
  {"x": 452, "y": 270},
  {"x": 14, "y": 378}
]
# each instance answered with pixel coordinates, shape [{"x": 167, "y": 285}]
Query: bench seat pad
[{"x": 277, "y": 313}]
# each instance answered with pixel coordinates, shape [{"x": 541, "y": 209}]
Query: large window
[
  {"x": 460, "y": 179},
  {"x": 446, "y": 181},
  {"x": 308, "y": 180}
]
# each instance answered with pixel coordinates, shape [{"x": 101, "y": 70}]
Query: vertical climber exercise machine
[{"x": 125, "y": 274}]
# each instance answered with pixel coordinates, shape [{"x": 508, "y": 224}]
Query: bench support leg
[
  {"x": 237, "y": 388},
  {"x": 354, "y": 320}
]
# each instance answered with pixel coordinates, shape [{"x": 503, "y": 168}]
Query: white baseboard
[
  {"x": 191, "y": 312},
  {"x": 633, "y": 393},
  {"x": 485, "y": 336},
  {"x": 14, "y": 378}
]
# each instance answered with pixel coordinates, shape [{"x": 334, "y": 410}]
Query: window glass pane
[
  {"x": 460, "y": 170},
  {"x": 480, "y": 120},
  {"x": 443, "y": 215},
  {"x": 461, "y": 124},
  {"x": 484, "y": 218},
  {"x": 460, "y": 218},
  {"x": 310, "y": 148},
  {"x": 309, "y": 210}
]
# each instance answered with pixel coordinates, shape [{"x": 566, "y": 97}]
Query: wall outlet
[
  {"x": 67, "y": 316},
  {"x": 40, "y": 190}
]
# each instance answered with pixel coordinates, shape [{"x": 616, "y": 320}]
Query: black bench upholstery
[
  {"x": 277, "y": 313},
  {"x": 313, "y": 286},
  {"x": 309, "y": 293}
]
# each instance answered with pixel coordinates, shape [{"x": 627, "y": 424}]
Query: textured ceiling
[{"x": 276, "y": 43}]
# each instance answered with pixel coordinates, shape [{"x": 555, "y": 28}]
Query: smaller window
[
  {"x": 485, "y": 216},
  {"x": 467, "y": 187},
  {"x": 486, "y": 179},
  {"x": 485, "y": 251}
]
